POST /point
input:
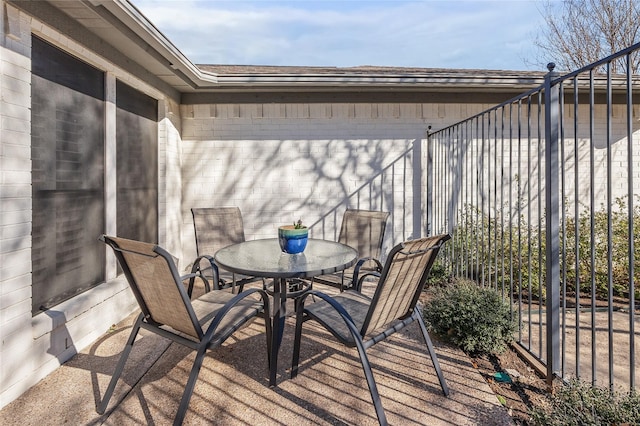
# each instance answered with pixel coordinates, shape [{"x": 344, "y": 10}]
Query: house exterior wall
[
  {"x": 281, "y": 162},
  {"x": 33, "y": 346}
]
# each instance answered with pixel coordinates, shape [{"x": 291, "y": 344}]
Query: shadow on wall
[
  {"x": 278, "y": 182},
  {"x": 61, "y": 344}
]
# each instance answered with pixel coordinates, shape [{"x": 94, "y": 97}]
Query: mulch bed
[{"x": 523, "y": 389}]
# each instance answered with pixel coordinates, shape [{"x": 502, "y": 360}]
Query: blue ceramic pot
[{"x": 292, "y": 240}]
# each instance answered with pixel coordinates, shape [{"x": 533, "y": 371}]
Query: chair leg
[
  {"x": 296, "y": 343},
  {"x": 120, "y": 366},
  {"x": 191, "y": 384},
  {"x": 373, "y": 389},
  {"x": 432, "y": 352},
  {"x": 269, "y": 334}
]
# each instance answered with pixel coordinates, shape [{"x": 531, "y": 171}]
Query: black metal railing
[{"x": 541, "y": 196}]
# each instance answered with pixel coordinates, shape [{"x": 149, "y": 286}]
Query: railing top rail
[
  {"x": 597, "y": 64},
  {"x": 553, "y": 82},
  {"x": 511, "y": 101}
]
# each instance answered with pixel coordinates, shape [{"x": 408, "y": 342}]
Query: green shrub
[
  {"x": 484, "y": 247},
  {"x": 619, "y": 250},
  {"x": 474, "y": 318},
  {"x": 579, "y": 403},
  {"x": 438, "y": 274}
]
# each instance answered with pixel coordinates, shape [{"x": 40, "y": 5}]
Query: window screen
[
  {"x": 137, "y": 164},
  {"x": 67, "y": 128}
]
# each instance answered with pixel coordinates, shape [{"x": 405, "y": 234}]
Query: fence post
[
  {"x": 552, "y": 210},
  {"x": 429, "y": 165}
]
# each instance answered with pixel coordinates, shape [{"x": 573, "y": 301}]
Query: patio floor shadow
[{"x": 233, "y": 385}]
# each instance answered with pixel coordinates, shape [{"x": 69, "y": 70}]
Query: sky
[{"x": 454, "y": 34}]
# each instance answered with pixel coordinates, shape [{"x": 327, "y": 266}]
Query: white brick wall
[
  {"x": 15, "y": 203},
  {"x": 279, "y": 162},
  {"x": 32, "y": 347}
]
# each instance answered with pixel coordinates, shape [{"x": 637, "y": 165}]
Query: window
[
  {"x": 136, "y": 164},
  {"x": 67, "y": 127}
]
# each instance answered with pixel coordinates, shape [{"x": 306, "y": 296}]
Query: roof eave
[
  {"x": 203, "y": 77},
  {"x": 358, "y": 82},
  {"x": 130, "y": 16}
]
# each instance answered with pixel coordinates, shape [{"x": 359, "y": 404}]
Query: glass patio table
[{"x": 263, "y": 258}]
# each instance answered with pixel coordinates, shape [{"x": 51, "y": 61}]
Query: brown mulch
[{"x": 526, "y": 390}]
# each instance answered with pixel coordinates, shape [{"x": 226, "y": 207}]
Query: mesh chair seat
[
  {"x": 356, "y": 304},
  {"x": 207, "y": 306}
]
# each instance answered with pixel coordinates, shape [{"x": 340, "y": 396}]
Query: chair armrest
[
  {"x": 197, "y": 270},
  {"x": 192, "y": 277},
  {"x": 358, "y": 286},
  {"x": 355, "y": 282}
]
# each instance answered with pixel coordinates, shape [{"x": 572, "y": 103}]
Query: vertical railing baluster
[
  {"x": 631, "y": 244},
  {"x": 541, "y": 154},
  {"x": 482, "y": 200},
  {"x": 592, "y": 222},
  {"x": 576, "y": 214},
  {"x": 496, "y": 208},
  {"x": 519, "y": 185},
  {"x": 563, "y": 244},
  {"x": 510, "y": 212},
  {"x": 529, "y": 253},
  {"x": 429, "y": 164},
  {"x": 469, "y": 182},
  {"x": 552, "y": 204},
  {"x": 474, "y": 199},
  {"x": 490, "y": 208},
  {"x": 609, "y": 228},
  {"x": 500, "y": 205}
]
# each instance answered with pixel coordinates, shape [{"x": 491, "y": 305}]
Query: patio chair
[
  {"x": 201, "y": 324},
  {"x": 364, "y": 231},
  {"x": 216, "y": 228},
  {"x": 357, "y": 320}
]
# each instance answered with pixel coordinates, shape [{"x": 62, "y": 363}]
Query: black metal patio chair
[
  {"x": 215, "y": 228},
  {"x": 360, "y": 321},
  {"x": 364, "y": 231},
  {"x": 200, "y": 324}
]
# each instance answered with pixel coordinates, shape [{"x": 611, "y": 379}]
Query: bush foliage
[
  {"x": 579, "y": 403},
  {"x": 476, "y": 319},
  {"x": 517, "y": 251}
]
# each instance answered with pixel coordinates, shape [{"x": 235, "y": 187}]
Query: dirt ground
[
  {"x": 525, "y": 389},
  {"x": 522, "y": 390}
]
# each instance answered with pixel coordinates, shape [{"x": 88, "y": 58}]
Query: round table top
[{"x": 263, "y": 258}]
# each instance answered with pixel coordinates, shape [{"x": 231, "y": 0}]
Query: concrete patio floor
[{"x": 232, "y": 388}]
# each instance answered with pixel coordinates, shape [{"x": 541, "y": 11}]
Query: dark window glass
[
  {"x": 137, "y": 164},
  {"x": 59, "y": 67},
  {"x": 67, "y": 134}
]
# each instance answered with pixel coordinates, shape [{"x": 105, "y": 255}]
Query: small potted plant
[{"x": 293, "y": 238}]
